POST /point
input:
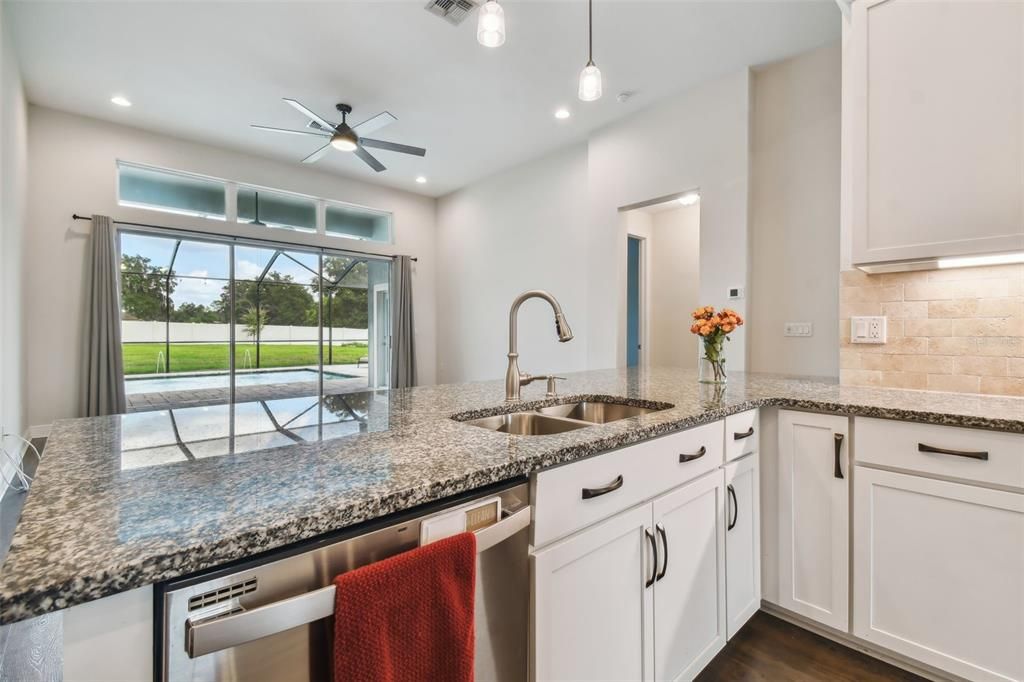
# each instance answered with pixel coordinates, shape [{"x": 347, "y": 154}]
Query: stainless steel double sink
[{"x": 544, "y": 421}]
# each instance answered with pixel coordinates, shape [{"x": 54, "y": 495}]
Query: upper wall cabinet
[{"x": 937, "y": 125}]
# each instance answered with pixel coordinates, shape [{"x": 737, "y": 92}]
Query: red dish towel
[{"x": 409, "y": 617}]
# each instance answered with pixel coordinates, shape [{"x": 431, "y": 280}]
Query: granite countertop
[{"x": 125, "y": 501}]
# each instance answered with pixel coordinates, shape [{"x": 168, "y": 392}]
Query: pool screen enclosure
[{"x": 217, "y": 309}]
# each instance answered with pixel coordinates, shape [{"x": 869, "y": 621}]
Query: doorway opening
[
  {"x": 634, "y": 292},
  {"x": 662, "y": 279}
]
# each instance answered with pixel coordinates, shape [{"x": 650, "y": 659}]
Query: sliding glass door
[{"x": 207, "y": 321}]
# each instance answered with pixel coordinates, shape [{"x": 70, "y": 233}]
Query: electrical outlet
[
  {"x": 799, "y": 329},
  {"x": 735, "y": 292},
  {"x": 867, "y": 329}
]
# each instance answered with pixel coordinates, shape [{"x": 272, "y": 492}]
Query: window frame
[{"x": 231, "y": 193}]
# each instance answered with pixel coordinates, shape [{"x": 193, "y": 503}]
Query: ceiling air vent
[{"x": 452, "y": 11}]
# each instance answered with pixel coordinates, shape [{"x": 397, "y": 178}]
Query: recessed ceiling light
[
  {"x": 689, "y": 199},
  {"x": 420, "y": 179},
  {"x": 562, "y": 113},
  {"x": 121, "y": 101}
]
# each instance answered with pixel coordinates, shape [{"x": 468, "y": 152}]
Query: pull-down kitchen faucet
[{"x": 514, "y": 379}]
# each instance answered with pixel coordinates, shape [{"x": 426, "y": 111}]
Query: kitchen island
[
  {"x": 107, "y": 515},
  {"x": 126, "y": 502}
]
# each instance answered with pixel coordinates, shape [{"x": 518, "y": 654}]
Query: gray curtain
[
  {"x": 403, "y": 343},
  {"x": 103, "y": 383}
]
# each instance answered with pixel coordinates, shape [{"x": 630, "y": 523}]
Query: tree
[
  {"x": 282, "y": 300},
  {"x": 346, "y": 302},
  {"x": 254, "y": 319},
  {"x": 193, "y": 312},
  {"x": 145, "y": 289}
]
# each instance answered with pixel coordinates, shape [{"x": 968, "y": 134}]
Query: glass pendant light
[
  {"x": 590, "y": 77},
  {"x": 490, "y": 25}
]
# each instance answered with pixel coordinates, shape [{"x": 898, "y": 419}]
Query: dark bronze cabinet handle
[
  {"x": 921, "y": 447},
  {"x": 736, "y": 508},
  {"x": 838, "y": 472},
  {"x": 664, "y": 545},
  {"x": 654, "y": 564},
  {"x": 746, "y": 434},
  {"x": 604, "y": 490},
  {"x": 689, "y": 458}
]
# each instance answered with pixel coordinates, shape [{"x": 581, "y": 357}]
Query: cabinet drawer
[
  {"x": 742, "y": 434},
  {"x": 998, "y": 458},
  {"x": 576, "y": 495}
]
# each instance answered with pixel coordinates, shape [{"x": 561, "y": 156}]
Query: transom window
[{"x": 200, "y": 196}]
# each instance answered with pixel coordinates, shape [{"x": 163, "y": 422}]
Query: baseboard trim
[{"x": 857, "y": 644}]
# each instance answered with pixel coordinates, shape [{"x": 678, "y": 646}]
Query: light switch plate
[
  {"x": 799, "y": 329},
  {"x": 867, "y": 329}
]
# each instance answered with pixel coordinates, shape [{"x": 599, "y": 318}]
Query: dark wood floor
[{"x": 768, "y": 649}]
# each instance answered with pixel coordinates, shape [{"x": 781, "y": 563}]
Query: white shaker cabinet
[
  {"x": 593, "y": 614},
  {"x": 742, "y": 542},
  {"x": 639, "y": 596},
  {"x": 689, "y": 588},
  {"x": 939, "y": 572},
  {"x": 936, "y": 98},
  {"x": 813, "y": 499}
]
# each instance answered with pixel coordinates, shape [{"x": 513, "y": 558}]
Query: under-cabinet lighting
[
  {"x": 121, "y": 101},
  {"x": 689, "y": 199},
  {"x": 974, "y": 261},
  {"x": 562, "y": 113},
  {"x": 420, "y": 179}
]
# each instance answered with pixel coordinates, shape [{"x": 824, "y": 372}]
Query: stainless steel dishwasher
[{"x": 272, "y": 618}]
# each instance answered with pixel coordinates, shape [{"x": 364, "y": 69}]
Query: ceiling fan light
[
  {"x": 344, "y": 142},
  {"x": 590, "y": 83},
  {"x": 490, "y": 25}
]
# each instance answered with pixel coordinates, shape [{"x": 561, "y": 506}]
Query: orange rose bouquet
[{"x": 714, "y": 329}]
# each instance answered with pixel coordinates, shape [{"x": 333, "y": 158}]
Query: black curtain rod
[{"x": 75, "y": 216}]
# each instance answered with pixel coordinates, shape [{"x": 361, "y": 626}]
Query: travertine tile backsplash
[{"x": 949, "y": 330}]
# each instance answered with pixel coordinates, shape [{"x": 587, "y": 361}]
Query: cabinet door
[
  {"x": 814, "y": 516},
  {"x": 689, "y": 595},
  {"x": 939, "y": 573},
  {"x": 742, "y": 542},
  {"x": 592, "y": 613},
  {"x": 937, "y": 111}
]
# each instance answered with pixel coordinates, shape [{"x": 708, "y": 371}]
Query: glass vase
[{"x": 711, "y": 364}]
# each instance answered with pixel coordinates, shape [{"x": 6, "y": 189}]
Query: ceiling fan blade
[
  {"x": 370, "y": 160},
  {"x": 392, "y": 146},
  {"x": 303, "y": 110},
  {"x": 374, "y": 124},
  {"x": 291, "y": 132},
  {"x": 318, "y": 154}
]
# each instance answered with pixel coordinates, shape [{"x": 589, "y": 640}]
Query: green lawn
[{"x": 141, "y": 358}]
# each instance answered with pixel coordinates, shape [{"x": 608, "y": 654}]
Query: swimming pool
[{"x": 191, "y": 382}]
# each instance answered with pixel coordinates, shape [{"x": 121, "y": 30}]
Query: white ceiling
[{"x": 206, "y": 70}]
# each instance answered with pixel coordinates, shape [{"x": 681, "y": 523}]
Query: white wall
[
  {"x": 555, "y": 223},
  {"x": 72, "y": 170},
  {"x": 674, "y": 286},
  {"x": 794, "y": 213},
  {"x": 521, "y": 229},
  {"x": 13, "y": 162},
  {"x": 697, "y": 139}
]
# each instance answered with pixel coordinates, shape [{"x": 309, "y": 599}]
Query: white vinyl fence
[{"x": 136, "y": 331}]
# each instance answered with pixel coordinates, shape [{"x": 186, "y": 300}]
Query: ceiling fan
[{"x": 346, "y": 138}]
